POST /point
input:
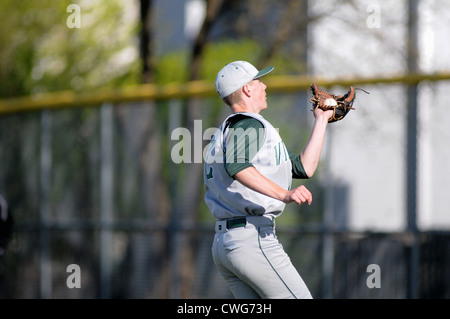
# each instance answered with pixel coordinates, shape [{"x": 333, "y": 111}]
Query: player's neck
[{"x": 245, "y": 108}]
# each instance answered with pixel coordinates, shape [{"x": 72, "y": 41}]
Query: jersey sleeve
[
  {"x": 244, "y": 140},
  {"x": 298, "y": 170}
]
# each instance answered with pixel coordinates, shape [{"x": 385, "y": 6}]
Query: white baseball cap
[{"x": 235, "y": 75}]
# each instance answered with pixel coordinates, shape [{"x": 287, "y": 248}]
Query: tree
[{"x": 41, "y": 51}]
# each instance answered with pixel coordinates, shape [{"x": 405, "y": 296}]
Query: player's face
[{"x": 259, "y": 89}]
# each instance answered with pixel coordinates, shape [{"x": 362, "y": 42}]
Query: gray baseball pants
[{"x": 254, "y": 263}]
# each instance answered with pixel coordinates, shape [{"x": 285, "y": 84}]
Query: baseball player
[{"x": 247, "y": 175}]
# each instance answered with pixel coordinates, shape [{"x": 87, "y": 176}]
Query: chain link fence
[{"x": 97, "y": 187}]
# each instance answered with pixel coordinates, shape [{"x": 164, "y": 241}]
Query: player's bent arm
[
  {"x": 251, "y": 178},
  {"x": 311, "y": 153}
]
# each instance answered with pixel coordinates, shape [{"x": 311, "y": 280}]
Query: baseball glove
[{"x": 340, "y": 104}]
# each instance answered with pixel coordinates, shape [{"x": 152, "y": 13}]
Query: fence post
[
  {"x": 411, "y": 167},
  {"x": 328, "y": 222},
  {"x": 174, "y": 229},
  {"x": 45, "y": 272},
  {"x": 107, "y": 198}
]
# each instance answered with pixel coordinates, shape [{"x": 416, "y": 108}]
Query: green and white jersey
[{"x": 235, "y": 147}]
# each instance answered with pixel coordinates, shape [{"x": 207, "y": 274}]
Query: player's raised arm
[{"x": 311, "y": 153}]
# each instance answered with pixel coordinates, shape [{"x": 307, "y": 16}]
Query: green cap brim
[{"x": 263, "y": 72}]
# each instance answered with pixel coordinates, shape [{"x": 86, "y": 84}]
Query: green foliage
[
  {"x": 173, "y": 67},
  {"x": 217, "y": 55},
  {"x": 40, "y": 53}
]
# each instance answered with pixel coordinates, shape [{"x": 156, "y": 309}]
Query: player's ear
[{"x": 246, "y": 90}]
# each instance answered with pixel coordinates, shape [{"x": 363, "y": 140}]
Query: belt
[
  {"x": 256, "y": 221},
  {"x": 236, "y": 222}
]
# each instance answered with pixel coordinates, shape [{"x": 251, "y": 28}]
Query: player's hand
[
  {"x": 318, "y": 113},
  {"x": 299, "y": 195}
]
